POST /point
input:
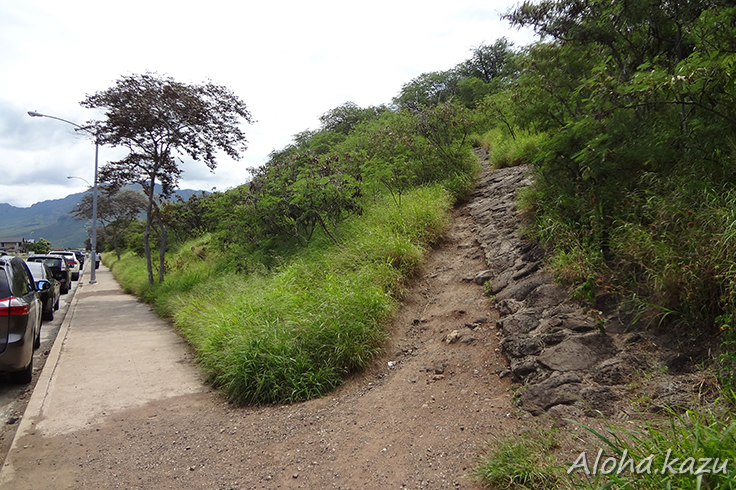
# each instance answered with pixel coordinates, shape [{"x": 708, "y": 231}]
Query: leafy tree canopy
[
  {"x": 40, "y": 246},
  {"x": 344, "y": 118},
  {"x": 160, "y": 121},
  {"x": 428, "y": 89},
  {"x": 633, "y": 32},
  {"x": 489, "y": 62}
]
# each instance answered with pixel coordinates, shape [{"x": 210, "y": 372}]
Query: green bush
[{"x": 505, "y": 150}]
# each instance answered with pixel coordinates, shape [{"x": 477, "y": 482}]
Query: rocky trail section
[{"x": 574, "y": 359}]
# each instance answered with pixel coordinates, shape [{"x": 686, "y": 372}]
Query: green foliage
[
  {"x": 192, "y": 218},
  {"x": 684, "y": 441},
  {"x": 505, "y": 151},
  {"x": 412, "y": 148},
  {"x": 727, "y": 358},
  {"x": 117, "y": 210},
  {"x": 626, "y": 117},
  {"x": 490, "y": 63},
  {"x": 40, "y": 246},
  {"x": 634, "y": 180},
  {"x": 337, "y": 124},
  {"x": 294, "y": 333},
  {"x": 343, "y": 119},
  {"x": 159, "y": 119},
  {"x": 664, "y": 453},
  {"x": 521, "y": 461},
  {"x": 428, "y": 90},
  {"x": 489, "y": 69},
  {"x": 289, "y": 198}
]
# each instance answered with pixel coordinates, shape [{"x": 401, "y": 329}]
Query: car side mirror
[{"x": 43, "y": 285}]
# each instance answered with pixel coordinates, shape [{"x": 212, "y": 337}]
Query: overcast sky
[{"x": 289, "y": 61}]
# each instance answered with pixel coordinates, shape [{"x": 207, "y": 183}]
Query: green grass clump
[
  {"x": 507, "y": 151},
  {"x": 681, "y": 451},
  {"x": 521, "y": 461},
  {"x": 688, "y": 451},
  {"x": 293, "y": 333}
]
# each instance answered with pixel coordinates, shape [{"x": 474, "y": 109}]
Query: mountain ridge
[{"x": 51, "y": 219}]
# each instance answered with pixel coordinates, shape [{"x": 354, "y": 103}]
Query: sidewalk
[{"x": 112, "y": 353}]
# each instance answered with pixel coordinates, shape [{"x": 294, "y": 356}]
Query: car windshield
[{"x": 49, "y": 261}]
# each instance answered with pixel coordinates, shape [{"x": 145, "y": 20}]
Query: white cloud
[{"x": 290, "y": 61}]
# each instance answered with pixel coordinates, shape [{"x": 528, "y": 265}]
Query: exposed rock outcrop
[{"x": 565, "y": 352}]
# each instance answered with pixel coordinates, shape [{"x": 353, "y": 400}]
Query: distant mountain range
[{"x": 51, "y": 220}]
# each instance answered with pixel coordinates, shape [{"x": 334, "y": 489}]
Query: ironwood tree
[{"x": 160, "y": 121}]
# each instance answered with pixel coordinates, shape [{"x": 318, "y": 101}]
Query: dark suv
[
  {"x": 80, "y": 258},
  {"x": 59, "y": 269},
  {"x": 20, "y": 319}
]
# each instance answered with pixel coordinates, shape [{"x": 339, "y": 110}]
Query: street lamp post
[{"x": 93, "y": 244}]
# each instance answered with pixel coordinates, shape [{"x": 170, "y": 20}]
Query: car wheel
[
  {"x": 65, "y": 289},
  {"x": 48, "y": 315},
  {"x": 75, "y": 276},
  {"x": 25, "y": 376},
  {"x": 56, "y": 305}
]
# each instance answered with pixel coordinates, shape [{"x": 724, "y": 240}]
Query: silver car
[{"x": 20, "y": 319}]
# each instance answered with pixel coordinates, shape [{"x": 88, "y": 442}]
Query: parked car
[
  {"x": 59, "y": 269},
  {"x": 20, "y": 319},
  {"x": 71, "y": 259},
  {"x": 49, "y": 288},
  {"x": 80, "y": 258}
]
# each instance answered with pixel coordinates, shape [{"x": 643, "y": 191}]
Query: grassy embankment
[{"x": 293, "y": 333}]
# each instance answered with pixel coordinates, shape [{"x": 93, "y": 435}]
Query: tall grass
[
  {"x": 688, "y": 451},
  {"x": 680, "y": 452},
  {"x": 664, "y": 241},
  {"x": 294, "y": 333},
  {"x": 520, "y": 462},
  {"x": 507, "y": 151}
]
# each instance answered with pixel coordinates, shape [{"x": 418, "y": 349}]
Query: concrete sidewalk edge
[{"x": 35, "y": 404}]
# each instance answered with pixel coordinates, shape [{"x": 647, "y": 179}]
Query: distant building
[{"x": 11, "y": 244}]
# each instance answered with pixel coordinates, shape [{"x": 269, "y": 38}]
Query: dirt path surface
[{"x": 418, "y": 418}]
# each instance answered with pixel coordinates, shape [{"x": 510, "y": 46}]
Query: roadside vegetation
[
  {"x": 685, "y": 451},
  {"x": 294, "y": 332},
  {"x": 285, "y": 284},
  {"x": 624, "y": 112}
]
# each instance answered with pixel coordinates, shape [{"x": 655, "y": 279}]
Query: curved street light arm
[{"x": 38, "y": 114}]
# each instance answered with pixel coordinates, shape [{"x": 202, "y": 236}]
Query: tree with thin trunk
[{"x": 161, "y": 121}]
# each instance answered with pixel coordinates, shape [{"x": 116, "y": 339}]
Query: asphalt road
[{"x": 14, "y": 397}]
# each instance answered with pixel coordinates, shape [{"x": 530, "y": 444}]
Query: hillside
[
  {"x": 47, "y": 219},
  {"x": 51, "y": 220}
]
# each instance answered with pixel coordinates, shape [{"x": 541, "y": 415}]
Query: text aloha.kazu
[{"x": 612, "y": 465}]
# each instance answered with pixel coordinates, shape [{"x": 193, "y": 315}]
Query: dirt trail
[{"x": 418, "y": 418}]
